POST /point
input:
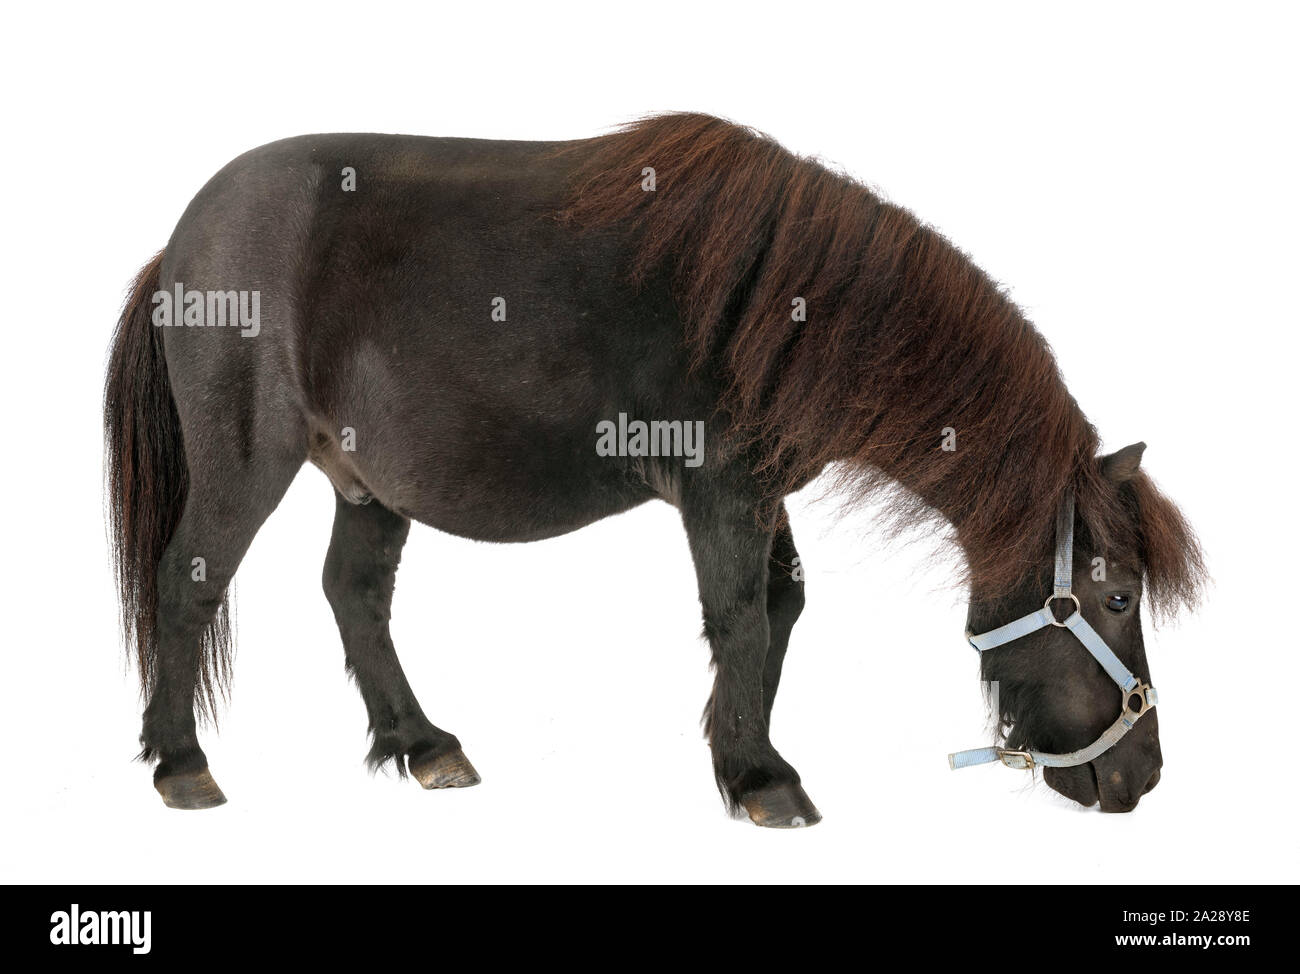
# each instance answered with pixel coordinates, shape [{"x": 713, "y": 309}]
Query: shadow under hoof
[
  {"x": 783, "y": 806},
  {"x": 450, "y": 770},
  {"x": 191, "y": 790}
]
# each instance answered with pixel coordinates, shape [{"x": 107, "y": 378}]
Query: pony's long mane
[{"x": 904, "y": 338}]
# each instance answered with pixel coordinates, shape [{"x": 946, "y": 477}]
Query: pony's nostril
[{"x": 1152, "y": 781}]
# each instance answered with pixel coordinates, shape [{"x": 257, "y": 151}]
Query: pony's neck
[
  {"x": 849, "y": 333},
  {"x": 963, "y": 406}
]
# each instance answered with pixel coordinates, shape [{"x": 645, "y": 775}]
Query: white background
[{"x": 1128, "y": 171}]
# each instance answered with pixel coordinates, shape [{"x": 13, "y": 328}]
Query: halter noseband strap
[{"x": 1130, "y": 686}]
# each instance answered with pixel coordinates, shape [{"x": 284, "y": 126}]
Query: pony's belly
[
  {"x": 507, "y": 526},
  {"x": 517, "y": 519},
  {"x": 503, "y": 503}
]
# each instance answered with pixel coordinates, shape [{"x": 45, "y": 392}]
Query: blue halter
[{"x": 1131, "y": 688}]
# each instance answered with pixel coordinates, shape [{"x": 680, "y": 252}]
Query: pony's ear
[{"x": 1123, "y": 464}]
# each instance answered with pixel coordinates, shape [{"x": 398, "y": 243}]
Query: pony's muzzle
[{"x": 1117, "y": 779}]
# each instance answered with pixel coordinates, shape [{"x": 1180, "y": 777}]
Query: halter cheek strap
[{"x": 1131, "y": 688}]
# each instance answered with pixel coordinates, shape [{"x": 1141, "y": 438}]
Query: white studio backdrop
[{"x": 1128, "y": 172}]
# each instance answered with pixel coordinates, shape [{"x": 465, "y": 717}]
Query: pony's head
[{"x": 1050, "y": 694}]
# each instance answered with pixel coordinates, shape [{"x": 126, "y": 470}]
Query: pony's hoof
[
  {"x": 191, "y": 790},
  {"x": 449, "y": 770},
  {"x": 781, "y": 807}
]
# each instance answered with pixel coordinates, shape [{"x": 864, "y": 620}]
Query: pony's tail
[{"x": 147, "y": 481}]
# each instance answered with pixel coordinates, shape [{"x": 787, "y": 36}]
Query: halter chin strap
[{"x": 1131, "y": 688}]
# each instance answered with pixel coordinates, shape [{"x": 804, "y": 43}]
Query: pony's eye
[{"x": 1117, "y": 603}]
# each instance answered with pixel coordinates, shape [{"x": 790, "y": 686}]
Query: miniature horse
[{"x": 510, "y": 340}]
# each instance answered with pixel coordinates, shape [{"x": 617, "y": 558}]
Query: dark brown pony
[{"x": 683, "y": 273}]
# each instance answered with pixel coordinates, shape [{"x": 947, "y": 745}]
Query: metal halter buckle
[
  {"x": 1016, "y": 760},
  {"x": 1052, "y": 598}
]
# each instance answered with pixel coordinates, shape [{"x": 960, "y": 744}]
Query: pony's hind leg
[
  {"x": 360, "y": 569},
  {"x": 732, "y": 554},
  {"x": 226, "y": 504}
]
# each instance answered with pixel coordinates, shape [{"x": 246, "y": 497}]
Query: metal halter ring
[
  {"x": 1052, "y": 598},
  {"x": 1144, "y": 692}
]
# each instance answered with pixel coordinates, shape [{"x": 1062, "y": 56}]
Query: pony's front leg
[{"x": 731, "y": 550}]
